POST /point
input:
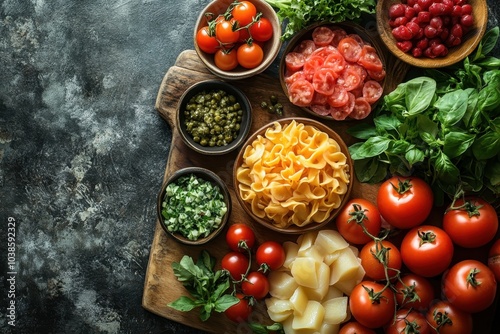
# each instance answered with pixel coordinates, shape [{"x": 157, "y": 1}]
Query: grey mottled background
[{"x": 82, "y": 156}]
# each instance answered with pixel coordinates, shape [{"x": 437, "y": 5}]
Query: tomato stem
[
  {"x": 441, "y": 320},
  {"x": 471, "y": 278},
  {"x": 426, "y": 237},
  {"x": 403, "y": 186}
]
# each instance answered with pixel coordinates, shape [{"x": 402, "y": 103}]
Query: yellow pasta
[{"x": 293, "y": 175}]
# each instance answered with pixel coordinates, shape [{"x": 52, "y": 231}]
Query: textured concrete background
[{"x": 82, "y": 155}]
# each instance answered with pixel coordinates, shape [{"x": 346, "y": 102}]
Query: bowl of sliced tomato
[
  {"x": 334, "y": 71},
  {"x": 237, "y": 39}
]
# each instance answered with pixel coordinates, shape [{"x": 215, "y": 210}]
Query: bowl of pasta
[{"x": 293, "y": 175}]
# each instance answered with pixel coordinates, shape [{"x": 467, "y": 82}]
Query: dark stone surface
[{"x": 82, "y": 155}]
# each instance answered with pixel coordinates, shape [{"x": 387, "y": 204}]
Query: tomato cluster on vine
[
  {"x": 416, "y": 285},
  {"x": 235, "y": 37},
  {"x": 249, "y": 284}
]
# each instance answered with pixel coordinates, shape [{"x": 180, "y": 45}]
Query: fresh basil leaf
[
  {"x": 183, "y": 304},
  {"x": 487, "y": 146},
  {"x": 425, "y": 124},
  {"x": 398, "y": 147},
  {"x": 489, "y": 41},
  {"x": 472, "y": 112},
  {"x": 414, "y": 156},
  {"x": 489, "y": 62},
  {"x": 456, "y": 143},
  {"x": 263, "y": 329},
  {"x": 446, "y": 171},
  {"x": 362, "y": 131},
  {"x": 220, "y": 289},
  {"x": 489, "y": 98},
  {"x": 225, "y": 302},
  {"x": 451, "y": 107},
  {"x": 206, "y": 311},
  {"x": 370, "y": 170},
  {"x": 492, "y": 171},
  {"x": 429, "y": 139},
  {"x": 387, "y": 123},
  {"x": 371, "y": 148},
  {"x": 419, "y": 94}
]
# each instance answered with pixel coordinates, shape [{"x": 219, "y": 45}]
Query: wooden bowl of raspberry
[{"x": 431, "y": 33}]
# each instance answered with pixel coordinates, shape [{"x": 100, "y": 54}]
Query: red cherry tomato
[
  {"x": 355, "y": 213},
  {"x": 206, "y": 41},
  {"x": 427, "y": 250},
  {"x": 354, "y": 327},
  {"x": 369, "y": 58},
  {"x": 324, "y": 80},
  {"x": 236, "y": 264},
  {"x": 270, "y": 255},
  {"x": 414, "y": 291},
  {"x": 362, "y": 108},
  {"x": 374, "y": 255},
  {"x": 250, "y": 55},
  {"x": 494, "y": 259},
  {"x": 226, "y": 60},
  {"x": 256, "y": 285},
  {"x": 372, "y": 91},
  {"x": 350, "y": 79},
  {"x": 448, "y": 319},
  {"x": 368, "y": 309},
  {"x": 322, "y": 36},
  {"x": 294, "y": 61},
  {"x": 404, "y": 202},
  {"x": 470, "y": 286},
  {"x": 472, "y": 224},
  {"x": 408, "y": 321},
  {"x": 350, "y": 49},
  {"x": 240, "y": 236},
  {"x": 224, "y": 32},
  {"x": 262, "y": 30},
  {"x": 244, "y": 12},
  {"x": 241, "y": 311},
  {"x": 301, "y": 93}
]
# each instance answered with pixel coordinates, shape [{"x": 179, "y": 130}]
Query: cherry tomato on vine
[
  {"x": 241, "y": 311},
  {"x": 244, "y": 12},
  {"x": 236, "y": 264},
  {"x": 448, "y": 319},
  {"x": 427, "y": 250},
  {"x": 494, "y": 259},
  {"x": 414, "y": 291},
  {"x": 374, "y": 255},
  {"x": 262, "y": 30},
  {"x": 404, "y": 202},
  {"x": 270, "y": 255},
  {"x": 225, "y": 33},
  {"x": 354, "y": 327},
  {"x": 356, "y": 212},
  {"x": 256, "y": 285},
  {"x": 205, "y": 41},
  {"x": 408, "y": 321},
  {"x": 471, "y": 223},
  {"x": 250, "y": 55},
  {"x": 239, "y": 235},
  {"x": 226, "y": 60},
  {"x": 470, "y": 286},
  {"x": 371, "y": 307}
]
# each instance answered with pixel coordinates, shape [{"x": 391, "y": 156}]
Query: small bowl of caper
[{"x": 214, "y": 117}]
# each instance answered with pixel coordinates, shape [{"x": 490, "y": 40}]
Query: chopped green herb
[{"x": 193, "y": 207}]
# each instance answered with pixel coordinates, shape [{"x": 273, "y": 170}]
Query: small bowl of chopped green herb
[
  {"x": 214, "y": 117},
  {"x": 194, "y": 205}
]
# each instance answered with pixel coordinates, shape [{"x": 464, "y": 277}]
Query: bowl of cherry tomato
[
  {"x": 237, "y": 39},
  {"x": 430, "y": 33},
  {"x": 334, "y": 71}
]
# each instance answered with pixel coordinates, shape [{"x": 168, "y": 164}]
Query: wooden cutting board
[{"x": 161, "y": 286}]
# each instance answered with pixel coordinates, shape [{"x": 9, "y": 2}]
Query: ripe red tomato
[
  {"x": 236, "y": 263},
  {"x": 256, "y": 285},
  {"x": 355, "y": 215},
  {"x": 206, "y": 40},
  {"x": 369, "y": 58},
  {"x": 373, "y": 255},
  {"x": 427, "y": 250},
  {"x": 262, "y": 30},
  {"x": 470, "y": 286},
  {"x": 370, "y": 310},
  {"x": 408, "y": 321},
  {"x": 472, "y": 224},
  {"x": 244, "y": 12},
  {"x": 301, "y": 92},
  {"x": 354, "y": 327},
  {"x": 448, "y": 319},
  {"x": 241, "y": 311},
  {"x": 404, "y": 202},
  {"x": 415, "y": 292},
  {"x": 250, "y": 55},
  {"x": 494, "y": 259},
  {"x": 350, "y": 49},
  {"x": 226, "y": 60},
  {"x": 270, "y": 255},
  {"x": 239, "y": 237},
  {"x": 225, "y": 33}
]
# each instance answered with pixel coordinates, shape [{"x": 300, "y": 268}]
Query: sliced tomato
[
  {"x": 291, "y": 78},
  {"x": 357, "y": 38},
  {"x": 294, "y": 61},
  {"x": 306, "y": 47},
  {"x": 321, "y": 109},
  {"x": 372, "y": 91},
  {"x": 324, "y": 51},
  {"x": 350, "y": 49},
  {"x": 336, "y": 61},
  {"x": 324, "y": 80},
  {"x": 322, "y": 36},
  {"x": 377, "y": 75},
  {"x": 338, "y": 35},
  {"x": 301, "y": 93},
  {"x": 359, "y": 69},
  {"x": 311, "y": 65},
  {"x": 339, "y": 97},
  {"x": 319, "y": 99},
  {"x": 343, "y": 112},
  {"x": 349, "y": 79},
  {"x": 361, "y": 108},
  {"x": 370, "y": 59}
]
